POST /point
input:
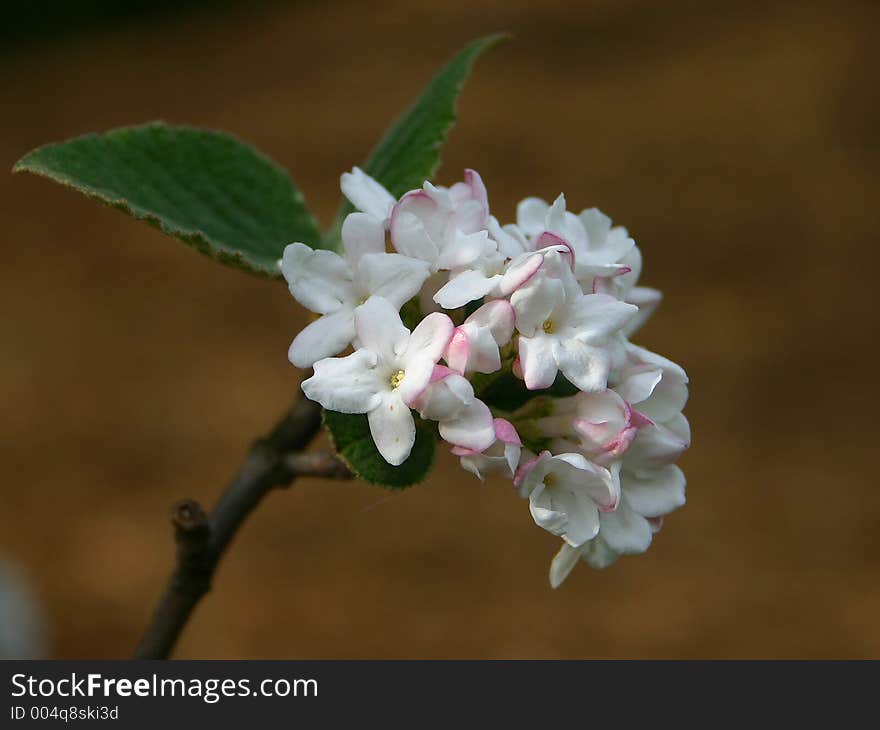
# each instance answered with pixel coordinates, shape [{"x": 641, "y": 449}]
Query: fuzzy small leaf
[
  {"x": 353, "y": 442},
  {"x": 206, "y": 188},
  {"x": 409, "y": 152}
]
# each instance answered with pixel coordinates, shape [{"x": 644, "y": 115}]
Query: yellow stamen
[
  {"x": 547, "y": 327},
  {"x": 397, "y": 379}
]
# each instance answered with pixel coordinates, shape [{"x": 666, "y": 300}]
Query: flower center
[
  {"x": 397, "y": 379},
  {"x": 548, "y": 326},
  {"x": 550, "y": 480}
]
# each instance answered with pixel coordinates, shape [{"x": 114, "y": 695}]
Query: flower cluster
[{"x": 545, "y": 307}]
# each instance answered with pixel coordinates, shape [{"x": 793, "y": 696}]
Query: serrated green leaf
[
  {"x": 206, "y": 188},
  {"x": 353, "y": 442},
  {"x": 409, "y": 152}
]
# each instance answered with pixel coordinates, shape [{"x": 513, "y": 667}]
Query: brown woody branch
[{"x": 273, "y": 461}]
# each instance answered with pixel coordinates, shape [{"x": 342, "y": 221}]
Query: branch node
[{"x": 324, "y": 464}]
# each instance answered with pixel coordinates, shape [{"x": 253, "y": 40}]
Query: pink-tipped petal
[
  {"x": 550, "y": 240},
  {"x": 504, "y": 431},
  {"x": 458, "y": 351}
]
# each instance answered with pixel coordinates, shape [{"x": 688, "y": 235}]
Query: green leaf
[
  {"x": 353, "y": 442},
  {"x": 206, "y": 188},
  {"x": 506, "y": 392},
  {"x": 409, "y": 153}
]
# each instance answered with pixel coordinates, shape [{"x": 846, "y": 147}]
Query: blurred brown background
[{"x": 737, "y": 141}]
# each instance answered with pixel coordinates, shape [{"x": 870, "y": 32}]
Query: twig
[{"x": 272, "y": 461}]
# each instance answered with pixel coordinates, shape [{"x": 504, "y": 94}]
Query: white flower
[
  {"x": 367, "y": 195},
  {"x": 600, "y": 425},
  {"x": 566, "y": 286},
  {"x": 503, "y": 455},
  {"x": 388, "y": 372},
  {"x": 599, "y": 249},
  {"x": 446, "y": 227},
  {"x": 564, "y": 329},
  {"x": 475, "y": 343},
  {"x": 655, "y": 386},
  {"x": 462, "y": 419},
  {"x": 491, "y": 275},
  {"x": 565, "y": 494},
  {"x": 334, "y": 286},
  {"x": 651, "y": 486},
  {"x": 644, "y": 499}
]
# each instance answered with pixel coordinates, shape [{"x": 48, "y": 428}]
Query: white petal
[
  {"x": 563, "y": 563},
  {"x": 597, "y": 553},
  {"x": 535, "y": 303},
  {"x": 638, "y": 383},
  {"x": 583, "y": 519},
  {"x": 530, "y": 215},
  {"x": 555, "y": 216},
  {"x": 472, "y": 428},
  {"x": 431, "y": 336},
  {"x": 362, "y": 234},
  {"x": 537, "y": 362},
  {"x": 647, "y": 300},
  {"x": 510, "y": 239},
  {"x": 326, "y": 336},
  {"x": 417, "y": 376},
  {"x": 585, "y": 366},
  {"x": 499, "y": 317},
  {"x": 319, "y": 280},
  {"x": 597, "y": 225},
  {"x": 660, "y": 444},
  {"x": 379, "y": 328},
  {"x": 579, "y": 476},
  {"x": 520, "y": 271},
  {"x": 545, "y": 514},
  {"x": 465, "y": 287},
  {"x": 669, "y": 393},
  {"x": 346, "y": 384},
  {"x": 471, "y": 202},
  {"x": 483, "y": 354},
  {"x": 655, "y": 492},
  {"x": 393, "y": 429},
  {"x": 625, "y": 531},
  {"x": 391, "y": 276},
  {"x": 445, "y": 397},
  {"x": 463, "y": 250},
  {"x": 417, "y": 226},
  {"x": 597, "y": 316},
  {"x": 367, "y": 194}
]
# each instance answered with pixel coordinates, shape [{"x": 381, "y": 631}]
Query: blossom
[
  {"x": 334, "y": 286},
  {"x": 492, "y": 275},
  {"x": 565, "y": 494},
  {"x": 475, "y": 343},
  {"x": 501, "y": 456},
  {"x": 651, "y": 485},
  {"x": 390, "y": 369},
  {"x": 552, "y": 293},
  {"x": 600, "y": 425},
  {"x": 644, "y": 499},
  {"x": 444, "y": 227},
  {"x": 462, "y": 419},
  {"x": 599, "y": 249},
  {"x": 561, "y": 328}
]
